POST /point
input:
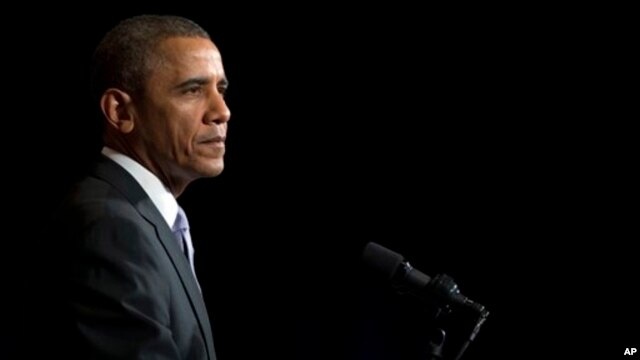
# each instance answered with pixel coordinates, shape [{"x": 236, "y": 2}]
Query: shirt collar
[{"x": 159, "y": 194}]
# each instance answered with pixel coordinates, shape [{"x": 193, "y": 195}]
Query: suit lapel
[
  {"x": 125, "y": 183},
  {"x": 149, "y": 211}
]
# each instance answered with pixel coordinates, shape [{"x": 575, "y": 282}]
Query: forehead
[{"x": 185, "y": 55}]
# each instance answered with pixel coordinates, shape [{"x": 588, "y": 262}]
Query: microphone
[{"x": 392, "y": 267}]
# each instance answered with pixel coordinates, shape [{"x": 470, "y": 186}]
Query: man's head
[{"x": 160, "y": 84}]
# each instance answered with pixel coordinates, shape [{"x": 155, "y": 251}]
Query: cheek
[
  {"x": 185, "y": 125},
  {"x": 183, "y": 140},
  {"x": 187, "y": 137}
]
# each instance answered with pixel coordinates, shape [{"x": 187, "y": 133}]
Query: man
[{"x": 131, "y": 289}]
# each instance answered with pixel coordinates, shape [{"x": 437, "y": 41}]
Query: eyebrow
[{"x": 200, "y": 81}]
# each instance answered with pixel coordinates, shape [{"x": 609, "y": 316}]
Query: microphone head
[{"x": 384, "y": 262}]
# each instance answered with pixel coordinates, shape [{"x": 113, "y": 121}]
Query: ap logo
[{"x": 630, "y": 351}]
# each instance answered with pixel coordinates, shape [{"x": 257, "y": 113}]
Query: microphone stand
[
  {"x": 435, "y": 347},
  {"x": 445, "y": 286},
  {"x": 474, "y": 332},
  {"x": 440, "y": 294}
]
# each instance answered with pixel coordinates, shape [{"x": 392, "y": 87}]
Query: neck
[{"x": 175, "y": 184}]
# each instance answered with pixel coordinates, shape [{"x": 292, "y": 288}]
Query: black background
[{"x": 465, "y": 139}]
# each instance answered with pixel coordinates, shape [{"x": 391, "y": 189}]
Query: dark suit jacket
[{"x": 128, "y": 289}]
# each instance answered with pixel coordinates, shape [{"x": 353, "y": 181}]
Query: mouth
[
  {"x": 213, "y": 145},
  {"x": 214, "y": 140}
]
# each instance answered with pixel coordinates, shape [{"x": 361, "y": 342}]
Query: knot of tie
[
  {"x": 180, "y": 230},
  {"x": 181, "y": 225}
]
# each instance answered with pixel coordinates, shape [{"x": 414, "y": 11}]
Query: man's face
[{"x": 182, "y": 118}]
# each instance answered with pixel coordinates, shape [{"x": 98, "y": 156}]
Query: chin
[
  {"x": 216, "y": 172},
  {"x": 213, "y": 170},
  {"x": 205, "y": 167}
]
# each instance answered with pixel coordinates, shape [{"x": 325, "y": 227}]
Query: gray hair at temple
[{"x": 126, "y": 54}]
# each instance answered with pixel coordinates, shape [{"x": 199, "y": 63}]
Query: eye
[
  {"x": 194, "y": 90},
  {"x": 222, "y": 90}
]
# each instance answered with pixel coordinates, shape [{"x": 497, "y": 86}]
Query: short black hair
[{"x": 126, "y": 53}]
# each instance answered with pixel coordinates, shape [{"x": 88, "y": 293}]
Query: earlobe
[{"x": 115, "y": 105}]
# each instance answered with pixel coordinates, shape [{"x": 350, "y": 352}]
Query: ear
[{"x": 117, "y": 109}]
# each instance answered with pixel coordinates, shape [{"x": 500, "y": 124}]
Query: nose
[{"x": 218, "y": 112}]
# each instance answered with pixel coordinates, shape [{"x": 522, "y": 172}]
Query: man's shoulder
[
  {"x": 93, "y": 197},
  {"x": 92, "y": 186},
  {"x": 104, "y": 183},
  {"x": 106, "y": 194}
]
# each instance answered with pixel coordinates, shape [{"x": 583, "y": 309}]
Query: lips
[{"x": 215, "y": 139}]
